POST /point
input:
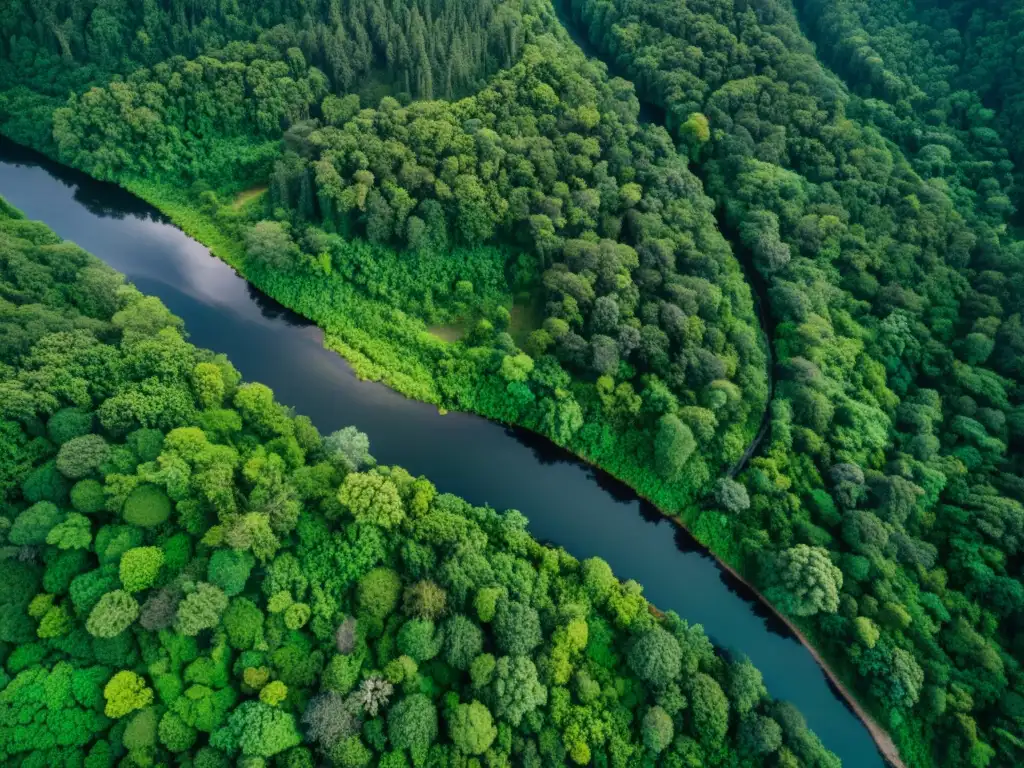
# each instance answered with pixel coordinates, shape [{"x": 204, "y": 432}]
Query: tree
[
  {"x": 655, "y": 657},
  {"x": 657, "y": 729},
  {"x": 229, "y": 569},
  {"x": 32, "y": 526},
  {"x": 256, "y": 729},
  {"x": 139, "y": 568},
  {"x": 175, "y": 734},
  {"x": 424, "y": 600},
  {"x": 372, "y": 498},
  {"x": 471, "y": 728},
  {"x": 709, "y": 708},
  {"x": 269, "y": 244},
  {"x": 412, "y": 723},
  {"x": 378, "y": 592},
  {"x": 126, "y": 692},
  {"x": 731, "y": 496},
  {"x": 87, "y": 496},
  {"x": 806, "y": 582},
  {"x": 517, "y": 628},
  {"x": 419, "y": 640},
  {"x": 81, "y": 456},
  {"x": 112, "y": 615},
  {"x": 673, "y": 446},
  {"x": 745, "y": 686},
  {"x": 147, "y": 506},
  {"x": 348, "y": 448},
  {"x": 243, "y": 623},
  {"x": 463, "y": 641},
  {"x": 200, "y": 609},
  {"x": 515, "y": 689},
  {"x": 330, "y": 718},
  {"x": 759, "y": 735},
  {"x": 68, "y": 423}
]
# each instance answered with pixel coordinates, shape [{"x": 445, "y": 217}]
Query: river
[{"x": 568, "y": 503}]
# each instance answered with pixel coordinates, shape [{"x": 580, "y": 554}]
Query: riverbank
[
  {"x": 196, "y": 225},
  {"x": 582, "y": 510}
]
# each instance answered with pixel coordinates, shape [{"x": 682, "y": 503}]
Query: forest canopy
[
  {"x": 415, "y": 166},
  {"x": 192, "y": 573}
]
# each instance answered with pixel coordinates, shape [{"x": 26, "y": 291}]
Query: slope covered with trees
[
  {"x": 599, "y": 302},
  {"x": 897, "y": 423},
  {"x": 948, "y": 78},
  {"x": 190, "y": 574}
]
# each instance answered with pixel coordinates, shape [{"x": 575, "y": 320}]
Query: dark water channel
[{"x": 568, "y": 504}]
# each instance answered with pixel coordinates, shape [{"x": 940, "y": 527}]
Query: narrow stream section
[{"x": 568, "y": 503}]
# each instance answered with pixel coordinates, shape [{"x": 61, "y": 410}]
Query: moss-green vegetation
[
  {"x": 225, "y": 586},
  {"x": 876, "y": 202}
]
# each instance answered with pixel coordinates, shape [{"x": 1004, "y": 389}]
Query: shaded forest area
[{"x": 876, "y": 197}]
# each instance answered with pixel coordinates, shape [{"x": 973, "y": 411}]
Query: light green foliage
[
  {"x": 80, "y": 456},
  {"x": 201, "y": 609},
  {"x": 378, "y": 592},
  {"x": 673, "y": 446},
  {"x": 126, "y": 692},
  {"x": 139, "y": 568},
  {"x": 243, "y": 622},
  {"x": 424, "y": 600},
  {"x": 486, "y": 603},
  {"x": 175, "y": 734},
  {"x": 273, "y": 693},
  {"x": 471, "y": 728},
  {"x": 73, "y": 532},
  {"x": 256, "y": 729},
  {"x": 515, "y": 689},
  {"x": 657, "y": 730},
  {"x": 372, "y": 498},
  {"x": 481, "y": 670},
  {"x": 412, "y": 723},
  {"x": 113, "y": 614}
]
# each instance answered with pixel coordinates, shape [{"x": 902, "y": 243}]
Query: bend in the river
[{"x": 568, "y": 503}]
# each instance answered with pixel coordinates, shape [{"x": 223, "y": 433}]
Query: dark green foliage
[
  {"x": 229, "y": 569},
  {"x": 881, "y": 218},
  {"x": 68, "y": 423},
  {"x": 208, "y": 635},
  {"x": 516, "y": 628}
]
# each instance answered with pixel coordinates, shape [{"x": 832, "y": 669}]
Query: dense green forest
[
  {"x": 191, "y": 575},
  {"x": 868, "y": 170},
  {"x": 897, "y": 426}
]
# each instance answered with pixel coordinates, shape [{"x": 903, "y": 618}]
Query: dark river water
[{"x": 568, "y": 503}]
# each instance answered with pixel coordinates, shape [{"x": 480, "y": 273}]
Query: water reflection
[{"x": 568, "y": 504}]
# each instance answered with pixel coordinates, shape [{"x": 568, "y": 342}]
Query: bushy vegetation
[
  {"x": 228, "y": 587},
  {"x": 600, "y": 304},
  {"x": 888, "y": 502},
  {"x": 600, "y": 299}
]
